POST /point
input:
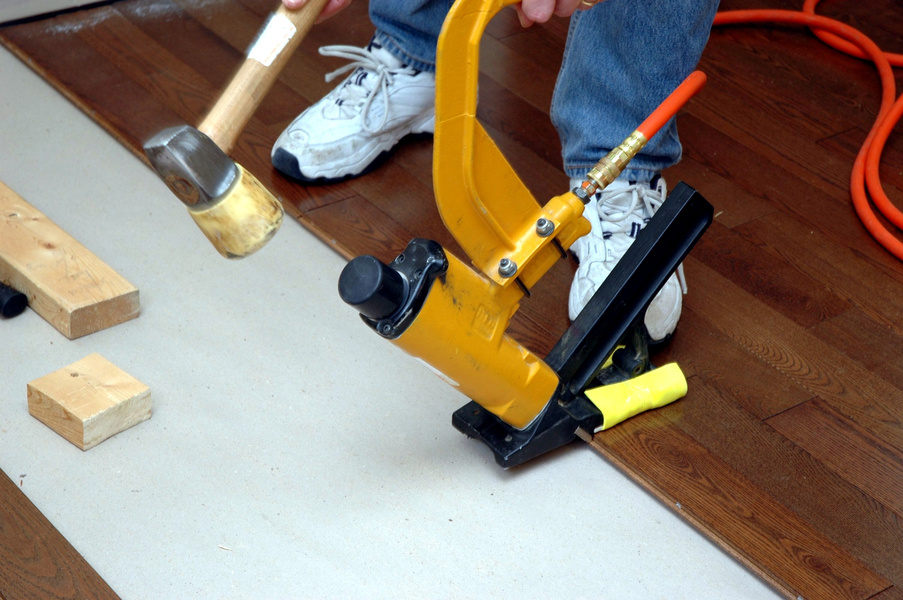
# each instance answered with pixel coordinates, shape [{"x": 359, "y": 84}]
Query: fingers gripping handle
[{"x": 267, "y": 56}]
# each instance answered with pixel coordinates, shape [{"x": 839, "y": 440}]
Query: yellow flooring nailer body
[{"x": 454, "y": 316}]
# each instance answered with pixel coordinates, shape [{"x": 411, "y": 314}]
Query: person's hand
[
  {"x": 331, "y": 8},
  {"x": 540, "y": 11}
]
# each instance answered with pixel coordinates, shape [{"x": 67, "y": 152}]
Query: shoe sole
[{"x": 286, "y": 163}]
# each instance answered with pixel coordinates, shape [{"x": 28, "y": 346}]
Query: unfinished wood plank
[
  {"x": 66, "y": 283},
  {"x": 36, "y": 561},
  {"x": 89, "y": 401}
]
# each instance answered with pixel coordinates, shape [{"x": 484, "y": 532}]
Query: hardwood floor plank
[
  {"x": 893, "y": 593},
  {"x": 841, "y": 269},
  {"x": 415, "y": 155},
  {"x": 848, "y": 142},
  {"x": 885, "y": 31},
  {"x": 778, "y": 545},
  {"x": 770, "y": 279},
  {"x": 733, "y": 205},
  {"x": 174, "y": 26},
  {"x": 819, "y": 89},
  {"x": 406, "y": 200},
  {"x": 869, "y": 342},
  {"x": 793, "y": 477},
  {"x": 525, "y": 136},
  {"x": 358, "y": 228},
  {"x": 854, "y": 453},
  {"x": 536, "y": 42},
  {"x": 799, "y": 355},
  {"x": 163, "y": 75},
  {"x": 708, "y": 355},
  {"x": 751, "y": 169},
  {"x": 514, "y": 71},
  {"x": 61, "y": 56},
  {"x": 36, "y": 561}
]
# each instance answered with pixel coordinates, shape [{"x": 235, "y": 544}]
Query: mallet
[{"x": 234, "y": 210}]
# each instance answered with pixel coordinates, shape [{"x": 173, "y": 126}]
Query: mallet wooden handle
[{"x": 268, "y": 54}]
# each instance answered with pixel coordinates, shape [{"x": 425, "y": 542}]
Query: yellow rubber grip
[{"x": 620, "y": 401}]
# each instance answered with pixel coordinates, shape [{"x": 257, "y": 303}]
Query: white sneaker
[
  {"x": 617, "y": 215},
  {"x": 344, "y": 134}
]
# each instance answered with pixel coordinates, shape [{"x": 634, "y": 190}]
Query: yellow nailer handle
[{"x": 620, "y": 401}]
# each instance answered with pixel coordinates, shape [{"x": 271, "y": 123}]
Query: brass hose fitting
[{"x": 607, "y": 170}]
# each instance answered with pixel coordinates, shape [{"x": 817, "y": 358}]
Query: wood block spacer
[
  {"x": 89, "y": 401},
  {"x": 65, "y": 283}
]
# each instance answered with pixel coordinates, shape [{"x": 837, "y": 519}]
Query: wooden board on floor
[
  {"x": 788, "y": 449},
  {"x": 66, "y": 283},
  {"x": 36, "y": 561}
]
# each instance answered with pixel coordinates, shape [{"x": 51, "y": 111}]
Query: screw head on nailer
[
  {"x": 544, "y": 227},
  {"x": 507, "y": 267}
]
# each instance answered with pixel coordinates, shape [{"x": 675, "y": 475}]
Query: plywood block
[
  {"x": 89, "y": 401},
  {"x": 66, "y": 283}
]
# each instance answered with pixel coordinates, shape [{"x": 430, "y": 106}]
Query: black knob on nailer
[{"x": 371, "y": 287}]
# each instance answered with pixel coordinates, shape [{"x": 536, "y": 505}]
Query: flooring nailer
[{"x": 454, "y": 317}]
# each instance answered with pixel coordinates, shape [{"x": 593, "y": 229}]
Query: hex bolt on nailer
[{"x": 454, "y": 317}]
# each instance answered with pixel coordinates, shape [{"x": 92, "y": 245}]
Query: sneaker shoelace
[
  {"x": 626, "y": 211},
  {"x": 357, "y": 94}
]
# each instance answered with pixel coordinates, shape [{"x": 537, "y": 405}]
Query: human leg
[
  {"x": 619, "y": 64},
  {"x": 409, "y": 30},
  {"x": 622, "y": 58}
]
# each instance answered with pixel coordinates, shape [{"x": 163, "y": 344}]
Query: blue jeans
[{"x": 622, "y": 58}]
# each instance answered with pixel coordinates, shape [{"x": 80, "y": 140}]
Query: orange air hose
[
  {"x": 673, "y": 103},
  {"x": 838, "y": 43},
  {"x": 865, "y": 178},
  {"x": 607, "y": 170}
]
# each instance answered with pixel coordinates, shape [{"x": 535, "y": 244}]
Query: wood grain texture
[
  {"x": 89, "y": 401},
  {"x": 850, "y": 451},
  {"x": 782, "y": 548},
  {"x": 787, "y": 449},
  {"x": 36, "y": 561},
  {"x": 66, "y": 283},
  {"x": 894, "y": 593}
]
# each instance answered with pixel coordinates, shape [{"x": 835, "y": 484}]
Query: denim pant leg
[
  {"x": 409, "y": 29},
  {"x": 622, "y": 58}
]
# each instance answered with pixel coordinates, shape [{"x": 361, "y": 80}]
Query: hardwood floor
[
  {"x": 788, "y": 449},
  {"x": 36, "y": 561}
]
